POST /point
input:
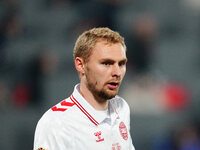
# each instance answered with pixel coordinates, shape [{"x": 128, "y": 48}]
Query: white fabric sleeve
[{"x": 50, "y": 136}]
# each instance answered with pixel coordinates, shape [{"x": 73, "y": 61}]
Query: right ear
[{"x": 79, "y": 64}]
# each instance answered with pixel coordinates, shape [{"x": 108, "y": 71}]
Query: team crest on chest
[{"x": 123, "y": 130}]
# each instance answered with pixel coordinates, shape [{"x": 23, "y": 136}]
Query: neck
[{"x": 89, "y": 97}]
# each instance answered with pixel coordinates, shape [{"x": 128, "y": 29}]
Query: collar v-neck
[{"x": 88, "y": 110}]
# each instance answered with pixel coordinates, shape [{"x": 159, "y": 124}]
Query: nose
[{"x": 116, "y": 71}]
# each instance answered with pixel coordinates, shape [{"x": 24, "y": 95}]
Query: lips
[{"x": 113, "y": 85}]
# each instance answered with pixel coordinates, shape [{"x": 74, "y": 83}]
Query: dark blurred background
[{"x": 162, "y": 83}]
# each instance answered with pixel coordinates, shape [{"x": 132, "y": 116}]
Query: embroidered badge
[
  {"x": 123, "y": 130},
  {"x": 98, "y": 135}
]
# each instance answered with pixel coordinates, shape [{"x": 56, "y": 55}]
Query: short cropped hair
[{"x": 88, "y": 39}]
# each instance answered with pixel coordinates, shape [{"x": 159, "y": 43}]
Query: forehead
[{"x": 105, "y": 49}]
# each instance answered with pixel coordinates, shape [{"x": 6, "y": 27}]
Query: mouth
[{"x": 113, "y": 85}]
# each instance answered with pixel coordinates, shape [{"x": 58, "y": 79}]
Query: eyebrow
[{"x": 111, "y": 60}]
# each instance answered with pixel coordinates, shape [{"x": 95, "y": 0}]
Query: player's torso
[{"x": 88, "y": 136}]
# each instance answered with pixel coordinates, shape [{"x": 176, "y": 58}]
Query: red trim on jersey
[
  {"x": 58, "y": 109},
  {"x": 83, "y": 110},
  {"x": 64, "y": 103}
]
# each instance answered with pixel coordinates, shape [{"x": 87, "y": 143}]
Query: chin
[{"x": 111, "y": 95}]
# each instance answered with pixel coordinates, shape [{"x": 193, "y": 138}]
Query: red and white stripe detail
[
  {"x": 62, "y": 106},
  {"x": 83, "y": 110}
]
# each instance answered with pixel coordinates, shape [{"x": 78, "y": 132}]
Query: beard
[{"x": 101, "y": 95}]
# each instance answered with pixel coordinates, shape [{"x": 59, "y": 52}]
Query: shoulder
[
  {"x": 120, "y": 103},
  {"x": 55, "y": 116},
  {"x": 55, "y": 127},
  {"x": 121, "y": 107}
]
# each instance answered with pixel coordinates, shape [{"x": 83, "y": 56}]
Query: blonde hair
[{"x": 88, "y": 39}]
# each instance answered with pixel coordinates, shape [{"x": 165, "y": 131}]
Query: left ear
[{"x": 79, "y": 64}]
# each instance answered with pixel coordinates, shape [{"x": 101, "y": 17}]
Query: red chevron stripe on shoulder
[
  {"x": 58, "y": 109},
  {"x": 65, "y": 105}
]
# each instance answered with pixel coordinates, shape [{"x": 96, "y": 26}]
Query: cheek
[
  {"x": 123, "y": 72},
  {"x": 96, "y": 76},
  {"x": 101, "y": 71},
  {"x": 100, "y": 77}
]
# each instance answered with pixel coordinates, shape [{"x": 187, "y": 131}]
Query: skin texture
[{"x": 101, "y": 76}]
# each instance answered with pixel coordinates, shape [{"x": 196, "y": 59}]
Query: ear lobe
[{"x": 79, "y": 64}]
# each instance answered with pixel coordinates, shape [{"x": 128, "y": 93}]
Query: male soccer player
[{"x": 93, "y": 117}]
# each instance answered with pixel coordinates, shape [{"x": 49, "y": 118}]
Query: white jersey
[{"x": 74, "y": 124}]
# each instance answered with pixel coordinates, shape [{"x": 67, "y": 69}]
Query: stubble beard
[{"x": 100, "y": 95}]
